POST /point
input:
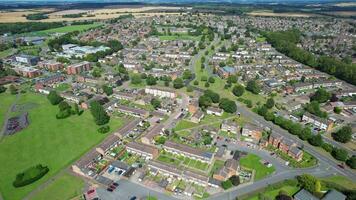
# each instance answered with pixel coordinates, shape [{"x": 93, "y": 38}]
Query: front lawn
[
  {"x": 273, "y": 193},
  {"x": 48, "y": 141},
  {"x": 252, "y": 161}
]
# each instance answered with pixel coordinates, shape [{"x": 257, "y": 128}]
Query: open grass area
[
  {"x": 252, "y": 161},
  {"x": 341, "y": 181},
  {"x": 67, "y": 29},
  {"x": 47, "y": 141},
  {"x": 273, "y": 193},
  {"x": 7, "y": 52},
  {"x": 185, "y": 124},
  {"x": 5, "y": 103},
  {"x": 65, "y": 187}
]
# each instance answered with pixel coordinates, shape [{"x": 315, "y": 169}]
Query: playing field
[
  {"x": 47, "y": 141},
  {"x": 67, "y": 29},
  {"x": 179, "y": 37}
]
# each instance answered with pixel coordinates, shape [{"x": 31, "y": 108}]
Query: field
[
  {"x": 6, "y": 53},
  {"x": 104, "y": 13},
  {"x": 6, "y": 101},
  {"x": 252, "y": 161},
  {"x": 47, "y": 141},
  {"x": 341, "y": 181},
  {"x": 65, "y": 187}
]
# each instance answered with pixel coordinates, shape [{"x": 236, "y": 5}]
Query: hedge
[{"x": 30, "y": 175}]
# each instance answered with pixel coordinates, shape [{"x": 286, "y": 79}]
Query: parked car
[
  {"x": 109, "y": 189},
  {"x": 133, "y": 198}
]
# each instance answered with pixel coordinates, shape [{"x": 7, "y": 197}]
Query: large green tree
[
  {"x": 54, "y": 98},
  {"x": 238, "y": 90},
  {"x": 227, "y": 105},
  {"x": 99, "y": 113},
  {"x": 343, "y": 135},
  {"x": 253, "y": 87}
]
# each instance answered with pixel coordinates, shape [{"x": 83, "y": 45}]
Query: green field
[
  {"x": 65, "y": 187},
  {"x": 47, "y": 141},
  {"x": 6, "y": 53},
  {"x": 272, "y": 194},
  {"x": 252, "y": 161},
  {"x": 67, "y": 29},
  {"x": 6, "y": 100},
  {"x": 341, "y": 181}
]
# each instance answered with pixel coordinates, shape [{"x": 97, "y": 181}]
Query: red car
[{"x": 341, "y": 166}]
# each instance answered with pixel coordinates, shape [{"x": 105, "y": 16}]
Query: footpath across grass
[
  {"x": 48, "y": 141},
  {"x": 252, "y": 161}
]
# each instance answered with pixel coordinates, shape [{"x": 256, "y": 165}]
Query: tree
[
  {"x": 211, "y": 80},
  {"x": 204, "y": 101},
  {"x": 232, "y": 79},
  {"x": 343, "y": 135},
  {"x": 156, "y": 103},
  {"x": 226, "y": 184},
  {"x": 207, "y": 85},
  {"x": 321, "y": 96},
  {"x": 107, "y": 90},
  {"x": 13, "y": 89},
  {"x": 2, "y": 89},
  {"x": 305, "y": 134},
  {"x": 308, "y": 182},
  {"x": 150, "y": 80},
  {"x": 187, "y": 74},
  {"x": 238, "y": 90},
  {"x": 196, "y": 82},
  {"x": 337, "y": 110},
  {"x": 316, "y": 140},
  {"x": 351, "y": 162},
  {"x": 253, "y": 87},
  {"x": 235, "y": 180},
  {"x": 270, "y": 103},
  {"x": 178, "y": 83},
  {"x": 99, "y": 113},
  {"x": 65, "y": 110},
  {"x": 215, "y": 97},
  {"x": 339, "y": 154},
  {"x": 314, "y": 108},
  {"x": 228, "y": 105},
  {"x": 136, "y": 79},
  {"x": 54, "y": 98}
]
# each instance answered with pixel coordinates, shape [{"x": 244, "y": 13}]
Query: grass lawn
[
  {"x": 168, "y": 160},
  {"x": 47, "y": 141},
  {"x": 67, "y": 29},
  {"x": 6, "y": 101},
  {"x": 217, "y": 165},
  {"x": 151, "y": 198},
  {"x": 185, "y": 124},
  {"x": 252, "y": 161},
  {"x": 342, "y": 181},
  {"x": 291, "y": 190},
  {"x": 7, "y": 52},
  {"x": 65, "y": 187},
  {"x": 62, "y": 87}
]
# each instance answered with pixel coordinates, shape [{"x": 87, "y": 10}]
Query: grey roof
[
  {"x": 304, "y": 195},
  {"x": 103, "y": 180},
  {"x": 334, "y": 195},
  {"x": 120, "y": 165}
]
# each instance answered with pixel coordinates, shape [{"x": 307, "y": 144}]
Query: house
[
  {"x": 50, "y": 65},
  {"x": 136, "y": 112},
  {"x": 252, "y": 131},
  {"x": 144, "y": 150},
  {"x": 322, "y": 124},
  {"x": 27, "y": 59},
  {"x": 160, "y": 92},
  {"x": 148, "y": 137},
  {"x": 304, "y": 195},
  {"x": 117, "y": 166},
  {"x": 214, "y": 111},
  {"x": 124, "y": 131},
  {"x": 188, "y": 151},
  {"x": 28, "y": 72},
  {"x": 230, "y": 126},
  {"x": 197, "y": 116},
  {"x": 333, "y": 195},
  {"x": 78, "y": 68},
  {"x": 285, "y": 145},
  {"x": 229, "y": 169},
  {"x": 225, "y": 72},
  {"x": 193, "y": 106}
]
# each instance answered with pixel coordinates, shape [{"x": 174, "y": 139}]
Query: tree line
[{"x": 285, "y": 42}]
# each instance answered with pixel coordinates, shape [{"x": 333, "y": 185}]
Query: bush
[
  {"x": 54, "y": 98},
  {"x": 343, "y": 135},
  {"x": 316, "y": 140},
  {"x": 104, "y": 129},
  {"x": 235, "y": 180},
  {"x": 226, "y": 184},
  {"x": 30, "y": 175},
  {"x": 238, "y": 90},
  {"x": 351, "y": 162},
  {"x": 327, "y": 147}
]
